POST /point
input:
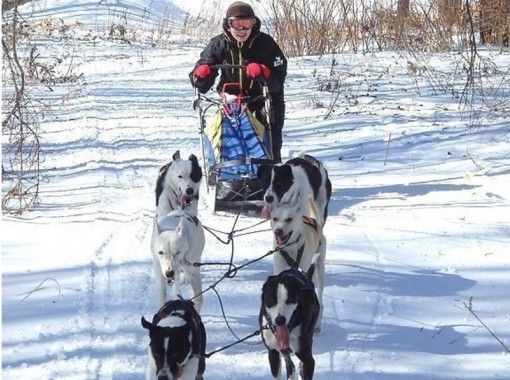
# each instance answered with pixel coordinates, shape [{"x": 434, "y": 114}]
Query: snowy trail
[{"x": 411, "y": 234}]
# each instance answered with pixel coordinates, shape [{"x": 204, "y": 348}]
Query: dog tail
[{"x": 311, "y": 270}]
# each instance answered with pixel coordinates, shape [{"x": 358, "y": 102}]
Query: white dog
[
  {"x": 178, "y": 185},
  {"x": 177, "y": 243},
  {"x": 299, "y": 238}
]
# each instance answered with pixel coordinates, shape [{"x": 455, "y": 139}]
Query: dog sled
[{"x": 234, "y": 144}]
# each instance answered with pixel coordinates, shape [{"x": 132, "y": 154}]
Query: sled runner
[{"x": 234, "y": 144}]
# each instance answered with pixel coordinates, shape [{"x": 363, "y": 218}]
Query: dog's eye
[
  {"x": 271, "y": 301},
  {"x": 161, "y": 253},
  {"x": 288, "y": 220},
  {"x": 180, "y": 176},
  {"x": 291, "y": 300},
  {"x": 275, "y": 219}
]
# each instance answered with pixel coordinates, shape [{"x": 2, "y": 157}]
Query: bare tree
[
  {"x": 20, "y": 127},
  {"x": 450, "y": 14},
  {"x": 402, "y": 15},
  {"x": 8, "y": 5},
  {"x": 494, "y": 16}
]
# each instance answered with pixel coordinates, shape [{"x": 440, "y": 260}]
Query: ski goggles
[{"x": 238, "y": 23}]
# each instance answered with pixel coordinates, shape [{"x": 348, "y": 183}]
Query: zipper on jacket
[
  {"x": 252, "y": 81},
  {"x": 239, "y": 46},
  {"x": 233, "y": 62}
]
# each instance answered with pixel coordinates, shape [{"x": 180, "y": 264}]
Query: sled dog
[
  {"x": 298, "y": 177},
  {"x": 288, "y": 314},
  {"x": 298, "y": 238},
  {"x": 178, "y": 184},
  {"x": 177, "y": 342},
  {"x": 177, "y": 243}
]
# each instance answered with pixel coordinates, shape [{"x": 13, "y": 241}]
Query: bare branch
[{"x": 469, "y": 307}]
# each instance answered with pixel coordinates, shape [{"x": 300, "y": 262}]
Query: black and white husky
[
  {"x": 298, "y": 177},
  {"x": 177, "y": 343},
  {"x": 287, "y": 318},
  {"x": 177, "y": 243},
  {"x": 178, "y": 185}
]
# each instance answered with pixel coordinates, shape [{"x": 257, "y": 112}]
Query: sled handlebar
[
  {"x": 243, "y": 99},
  {"x": 227, "y": 66},
  {"x": 242, "y": 67}
]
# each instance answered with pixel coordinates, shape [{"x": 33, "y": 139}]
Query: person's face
[
  {"x": 240, "y": 35},
  {"x": 241, "y": 28}
]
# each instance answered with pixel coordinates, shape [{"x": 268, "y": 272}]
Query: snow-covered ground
[{"x": 418, "y": 225}]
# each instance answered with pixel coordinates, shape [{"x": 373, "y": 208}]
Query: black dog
[
  {"x": 177, "y": 342},
  {"x": 287, "y": 319}
]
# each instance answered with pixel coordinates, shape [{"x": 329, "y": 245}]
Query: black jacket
[{"x": 259, "y": 48}]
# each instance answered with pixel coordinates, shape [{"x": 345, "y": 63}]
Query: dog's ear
[
  {"x": 285, "y": 171},
  {"x": 264, "y": 175},
  {"x": 268, "y": 296},
  {"x": 269, "y": 280},
  {"x": 176, "y": 156},
  {"x": 146, "y": 324},
  {"x": 196, "y": 170}
]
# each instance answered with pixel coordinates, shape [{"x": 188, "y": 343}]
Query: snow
[{"x": 418, "y": 223}]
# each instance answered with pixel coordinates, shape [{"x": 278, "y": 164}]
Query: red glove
[
  {"x": 202, "y": 71},
  {"x": 255, "y": 70}
]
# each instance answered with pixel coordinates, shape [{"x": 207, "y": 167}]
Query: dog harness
[
  {"x": 294, "y": 264},
  {"x": 311, "y": 222},
  {"x": 288, "y": 259},
  {"x": 193, "y": 219}
]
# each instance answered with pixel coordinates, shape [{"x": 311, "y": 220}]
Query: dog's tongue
[
  {"x": 282, "y": 337},
  {"x": 180, "y": 369},
  {"x": 266, "y": 210},
  {"x": 280, "y": 241},
  {"x": 184, "y": 200}
]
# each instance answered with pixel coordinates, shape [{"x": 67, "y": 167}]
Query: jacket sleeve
[
  {"x": 209, "y": 56},
  {"x": 277, "y": 63}
]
